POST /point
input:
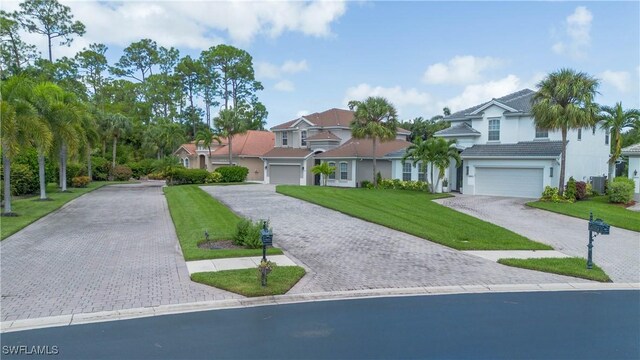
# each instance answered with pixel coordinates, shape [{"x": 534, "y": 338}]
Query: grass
[
  {"x": 247, "y": 281},
  {"x": 31, "y": 209},
  {"x": 576, "y": 267},
  {"x": 414, "y": 213},
  {"x": 193, "y": 211},
  {"x": 612, "y": 214}
]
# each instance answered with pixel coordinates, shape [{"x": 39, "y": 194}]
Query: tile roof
[
  {"x": 251, "y": 143},
  {"x": 551, "y": 149},
  {"x": 189, "y": 147},
  {"x": 519, "y": 100},
  {"x": 631, "y": 150},
  {"x": 457, "y": 130},
  {"x": 329, "y": 118},
  {"x": 361, "y": 148},
  {"x": 401, "y": 131},
  {"x": 324, "y": 135},
  {"x": 279, "y": 152}
]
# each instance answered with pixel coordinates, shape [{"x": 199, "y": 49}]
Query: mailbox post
[
  {"x": 267, "y": 240},
  {"x": 598, "y": 227}
]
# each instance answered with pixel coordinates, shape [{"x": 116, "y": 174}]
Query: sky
[{"x": 420, "y": 55}]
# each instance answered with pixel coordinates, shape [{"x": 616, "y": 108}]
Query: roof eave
[{"x": 537, "y": 157}]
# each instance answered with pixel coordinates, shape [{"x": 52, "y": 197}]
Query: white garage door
[
  {"x": 284, "y": 174},
  {"x": 509, "y": 182}
]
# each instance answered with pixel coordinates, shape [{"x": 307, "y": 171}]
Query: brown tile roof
[
  {"x": 189, "y": 147},
  {"x": 331, "y": 117},
  {"x": 361, "y": 148},
  {"x": 252, "y": 143},
  {"x": 287, "y": 153},
  {"x": 324, "y": 135}
]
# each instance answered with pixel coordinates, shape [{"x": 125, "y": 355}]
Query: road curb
[{"x": 87, "y": 318}]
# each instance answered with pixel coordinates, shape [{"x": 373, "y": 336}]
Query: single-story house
[{"x": 633, "y": 152}]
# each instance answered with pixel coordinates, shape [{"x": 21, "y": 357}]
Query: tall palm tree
[
  {"x": 207, "y": 137},
  {"x": 119, "y": 125},
  {"x": 230, "y": 122},
  {"x": 564, "y": 101},
  {"x": 615, "y": 119},
  {"x": 376, "y": 119},
  {"x": 65, "y": 123},
  {"x": 437, "y": 152},
  {"x": 20, "y": 127}
]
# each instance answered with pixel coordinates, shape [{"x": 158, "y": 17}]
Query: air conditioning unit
[{"x": 597, "y": 184}]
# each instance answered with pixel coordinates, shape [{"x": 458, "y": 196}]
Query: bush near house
[
  {"x": 550, "y": 194},
  {"x": 122, "y": 173},
  {"x": 99, "y": 168},
  {"x": 397, "y": 184},
  {"x": 570, "y": 190},
  {"x": 582, "y": 190},
  {"x": 80, "y": 181},
  {"x": 23, "y": 180},
  {"x": 248, "y": 234},
  {"x": 233, "y": 173},
  {"x": 182, "y": 176},
  {"x": 620, "y": 190}
]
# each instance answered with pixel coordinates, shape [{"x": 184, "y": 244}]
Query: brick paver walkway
[
  {"x": 114, "y": 248},
  {"x": 344, "y": 253},
  {"x": 618, "y": 253}
]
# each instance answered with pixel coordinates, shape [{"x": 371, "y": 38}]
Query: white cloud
[
  {"x": 284, "y": 85},
  {"x": 578, "y": 34},
  {"x": 194, "y": 25},
  {"x": 271, "y": 71},
  {"x": 292, "y": 67},
  {"x": 460, "y": 70},
  {"x": 478, "y": 93},
  {"x": 621, "y": 80},
  {"x": 401, "y": 98}
]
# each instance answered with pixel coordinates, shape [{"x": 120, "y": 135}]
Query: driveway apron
[
  {"x": 618, "y": 254},
  {"x": 114, "y": 248},
  {"x": 344, "y": 253}
]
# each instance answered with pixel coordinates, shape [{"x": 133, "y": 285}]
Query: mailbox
[
  {"x": 267, "y": 237},
  {"x": 599, "y": 226}
]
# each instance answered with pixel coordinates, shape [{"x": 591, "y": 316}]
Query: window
[
  {"x": 303, "y": 138},
  {"x": 467, "y": 170},
  {"x": 579, "y": 134},
  {"x": 186, "y": 162},
  {"x": 406, "y": 171},
  {"x": 541, "y": 133},
  {"x": 422, "y": 168},
  {"x": 551, "y": 171},
  {"x": 606, "y": 137},
  {"x": 343, "y": 171},
  {"x": 494, "y": 130},
  {"x": 332, "y": 176},
  {"x": 285, "y": 141},
  {"x": 593, "y": 130}
]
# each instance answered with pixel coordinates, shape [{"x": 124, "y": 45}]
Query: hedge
[{"x": 233, "y": 173}]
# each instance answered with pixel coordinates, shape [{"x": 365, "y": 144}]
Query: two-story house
[
  {"x": 504, "y": 154},
  {"x": 325, "y": 136}
]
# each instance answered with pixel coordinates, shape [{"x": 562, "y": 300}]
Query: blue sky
[{"x": 420, "y": 55}]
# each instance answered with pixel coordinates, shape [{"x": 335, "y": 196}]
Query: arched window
[{"x": 186, "y": 162}]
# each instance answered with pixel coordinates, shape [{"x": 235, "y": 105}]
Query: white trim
[
  {"x": 298, "y": 122},
  {"x": 340, "y": 170},
  {"x": 490, "y": 103},
  {"x": 511, "y": 157}
]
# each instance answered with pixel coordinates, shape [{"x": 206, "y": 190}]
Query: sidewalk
[{"x": 235, "y": 263}]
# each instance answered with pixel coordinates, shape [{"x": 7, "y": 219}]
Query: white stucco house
[
  {"x": 504, "y": 154},
  {"x": 633, "y": 152}
]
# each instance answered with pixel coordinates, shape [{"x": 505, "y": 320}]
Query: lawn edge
[
  {"x": 530, "y": 204},
  {"x": 577, "y": 276}
]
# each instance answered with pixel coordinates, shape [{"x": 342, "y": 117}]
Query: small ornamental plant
[{"x": 264, "y": 269}]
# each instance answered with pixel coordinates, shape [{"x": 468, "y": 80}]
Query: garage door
[
  {"x": 509, "y": 182},
  {"x": 284, "y": 174}
]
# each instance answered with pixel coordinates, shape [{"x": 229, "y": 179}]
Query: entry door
[
  {"x": 459, "y": 177},
  {"x": 316, "y": 177}
]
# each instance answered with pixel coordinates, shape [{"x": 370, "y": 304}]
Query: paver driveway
[
  {"x": 114, "y": 248},
  {"x": 344, "y": 253},
  {"x": 618, "y": 253}
]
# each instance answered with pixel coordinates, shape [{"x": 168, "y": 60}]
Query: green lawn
[
  {"x": 247, "y": 281},
  {"x": 193, "y": 211},
  {"x": 30, "y": 209},
  {"x": 576, "y": 267},
  {"x": 414, "y": 213},
  {"x": 612, "y": 214}
]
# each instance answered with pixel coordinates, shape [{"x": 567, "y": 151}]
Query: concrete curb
[{"x": 86, "y": 318}]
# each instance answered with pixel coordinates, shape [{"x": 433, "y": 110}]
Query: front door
[
  {"x": 316, "y": 177},
  {"x": 459, "y": 174},
  {"x": 203, "y": 162}
]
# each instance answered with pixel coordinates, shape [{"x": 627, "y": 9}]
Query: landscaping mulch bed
[{"x": 219, "y": 244}]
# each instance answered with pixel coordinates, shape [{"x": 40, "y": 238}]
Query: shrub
[
  {"x": 570, "y": 190},
  {"x": 156, "y": 176},
  {"x": 398, "y": 184},
  {"x": 551, "y": 194},
  {"x": 590, "y": 191},
  {"x": 80, "y": 181},
  {"x": 233, "y": 173},
  {"x": 141, "y": 168},
  {"x": 29, "y": 157},
  {"x": 621, "y": 190},
  {"x": 99, "y": 168},
  {"x": 581, "y": 190},
  {"x": 23, "y": 180},
  {"x": 74, "y": 170},
  {"x": 214, "y": 177},
  {"x": 366, "y": 184},
  {"x": 248, "y": 234},
  {"x": 182, "y": 176},
  {"x": 122, "y": 173}
]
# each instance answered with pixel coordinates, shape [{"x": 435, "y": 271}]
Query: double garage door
[
  {"x": 518, "y": 182},
  {"x": 284, "y": 174}
]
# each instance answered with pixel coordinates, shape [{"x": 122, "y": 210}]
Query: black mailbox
[
  {"x": 599, "y": 226},
  {"x": 267, "y": 237}
]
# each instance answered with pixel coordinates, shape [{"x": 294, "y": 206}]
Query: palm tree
[
  {"x": 437, "y": 152},
  {"x": 206, "y": 137},
  {"x": 376, "y": 119},
  {"x": 65, "y": 123},
  {"x": 20, "y": 127},
  {"x": 564, "y": 101},
  {"x": 119, "y": 125},
  {"x": 324, "y": 169},
  {"x": 230, "y": 123},
  {"x": 615, "y": 119}
]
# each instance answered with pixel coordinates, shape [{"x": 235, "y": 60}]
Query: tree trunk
[
  {"x": 562, "y": 164},
  {"x": 60, "y": 169},
  {"x": 113, "y": 159},
  {"x": 41, "y": 175},
  {"x": 7, "y": 181},
  {"x": 433, "y": 188},
  {"x": 89, "y": 169},
  {"x": 50, "y": 55},
  {"x": 63, "y": 160},
  {"x": 375, "y": 178},
  {"x": 230, "y": 137}
]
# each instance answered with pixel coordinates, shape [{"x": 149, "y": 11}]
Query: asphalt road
[{"x": 548, "y": 325}]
